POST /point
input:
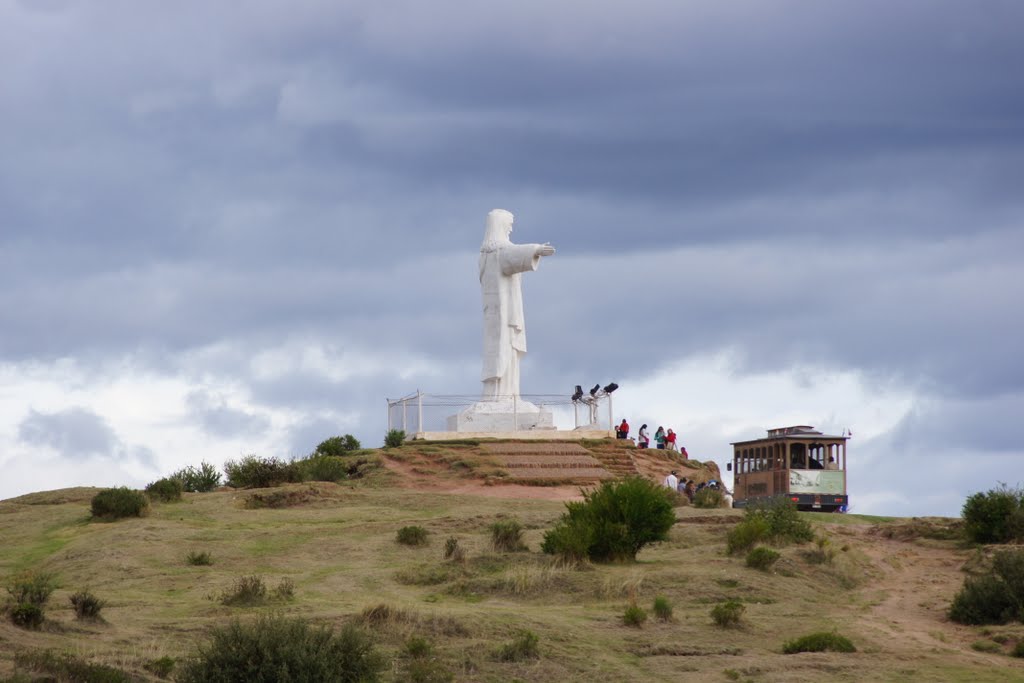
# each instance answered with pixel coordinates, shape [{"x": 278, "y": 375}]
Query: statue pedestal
[{"x": 501, "y": 416}]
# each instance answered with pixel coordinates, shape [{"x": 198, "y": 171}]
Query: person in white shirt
[{"x": 671, "y": 481}]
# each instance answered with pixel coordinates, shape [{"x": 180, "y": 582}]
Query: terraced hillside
[{"x": 537, "y": 462}]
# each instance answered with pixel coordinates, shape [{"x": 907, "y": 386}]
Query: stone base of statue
[{"x": 503, "y": 415}]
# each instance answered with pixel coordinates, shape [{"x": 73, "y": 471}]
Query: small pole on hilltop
[
  {"x": 611, "y": 420},
  {"x": 405, "y": 404},
  {"x": 419, "y": 411},
  {"x": 389, "y": 413}
]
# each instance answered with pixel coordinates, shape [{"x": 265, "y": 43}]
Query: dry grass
[{"x": 339, "y": 551}]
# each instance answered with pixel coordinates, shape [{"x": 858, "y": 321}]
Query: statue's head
[{"x": 499, "y": 227}]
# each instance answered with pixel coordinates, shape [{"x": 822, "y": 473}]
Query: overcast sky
[{"x": 237, "y": 227}]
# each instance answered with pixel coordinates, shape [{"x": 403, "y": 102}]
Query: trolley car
[{"x": 799, "y": 462}]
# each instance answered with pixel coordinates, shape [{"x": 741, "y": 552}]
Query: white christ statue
[{"x": 501, "y": 263}]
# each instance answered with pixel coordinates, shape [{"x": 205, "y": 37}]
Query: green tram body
[{"x": 792, "y": 462}]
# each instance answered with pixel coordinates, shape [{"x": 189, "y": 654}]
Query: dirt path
[{"x": 909, "y": 596}]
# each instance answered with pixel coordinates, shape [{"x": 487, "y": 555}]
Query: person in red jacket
[
  {"x": 623, "y": 431},
  {"x": 670, "y": 440}
]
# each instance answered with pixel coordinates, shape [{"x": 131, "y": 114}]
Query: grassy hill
[{"x": 886, "y": 587}]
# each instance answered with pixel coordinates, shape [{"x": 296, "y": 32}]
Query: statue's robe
[{"x": 504, "y": 325}]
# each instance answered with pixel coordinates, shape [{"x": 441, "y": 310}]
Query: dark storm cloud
[
  {"x": 801, "y": 182},
  {"x": 74, "y": 433}
]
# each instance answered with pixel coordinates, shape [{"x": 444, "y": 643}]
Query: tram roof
[{"x": 801, "y": 432}]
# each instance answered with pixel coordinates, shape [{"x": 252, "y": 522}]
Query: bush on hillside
[
  {"x": 995, "y": 597},
  {"x": 202, "y": 479},
  {"x": 245, "y": 591},
  {"x": 198, "y": 558},
  {"x": 507, "y": 536},
  {"x": 67, "y": 667},
  {"x": 520, "y": 648},
  {"x": 824, "y": 641},
  {"x": 31, "y": 587},
  {"x": 118, "y": 503},
  {"x": 338, "y": 445},
  {"x": 27, "y": 615},
  {"x": 411, "y": 535},
  {"x": 252, "y": 472},
  {"x": 394, "y": 438},
  {"x": 634, "y": 616},
  {"x": 775, "y": 520},
  {"x": 422, "y": 665},
  {"x": 762, "y": 558},
  {"x": 707, "y": 498},
  {"x": 996, "y": 516},
  {"x": 728, "y": 614},
  {"x": 167, "y": 490},
  {"x": 613, "y": 522},
  {"x": 324, "y": 468},
  {"x": 86, "y": 605},
  {"x": 746, "y": 534},
  {"x": 161, "y": 667},
  {"x": 275, "y": 646},
  {"x": 662, "y": 608}
]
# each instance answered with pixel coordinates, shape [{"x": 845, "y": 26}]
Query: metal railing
[{"x": 424, "y": 412}]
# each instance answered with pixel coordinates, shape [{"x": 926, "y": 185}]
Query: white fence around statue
[{"x": 422, "y": 412}]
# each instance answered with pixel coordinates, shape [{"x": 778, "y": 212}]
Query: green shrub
[
  {"x": 1018, "y": 649},
  {"x": 985, "y": 645},
  {"x": 338, "y": 445},
  {"x": 452, "y": 550},
  {"x": 824, "y": 641},
  {"x": 507, "y": 536},
  {"x": 775, "y": 520},
  {"x": 411, "y": 535},
  {"x": 31, "y": 587},
  {"x": 662, "y": 608},
  {"x": 708, "y": 498},
  {"x": 822, "y": 553},
  {"x": 522, "y": 647},
  {"x": 246, "y": 590},
  {"x": 762, "y": 558},
  {"x": 285, "y": 590},
  {"x": 161, "y": 668},
  {"x": 87, "y": 605},
  {"x": 252, "y": 472},
  {"x": 394, "y": 438},
  {"x": 570, "y": 539},
  {"x": 118, "y": 503},
  {"x": 614, "y": 521},
  {"x": 422, "y": 666},
  {"x": 324, "y": 468},
  {"x": 27, "y": 615},
  {"x": 995, "y": 597},
  {"x": 202, "y": 479},
  {"x": 276, "y": 648},
  {"x": 746, "y": 534},
  {"x": 982, "y": 600},
  {"x": 167, "y": 490},
  {"x": 728, "y": 614},
  {"x": 198, "y": 559},
  {"x": 994, "y": 517},
  {"x": 67, "y": 667},
  {"x": 634, "y": 616}
]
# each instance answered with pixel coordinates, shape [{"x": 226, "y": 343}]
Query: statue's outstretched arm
[{"x": 545, "y": 249}]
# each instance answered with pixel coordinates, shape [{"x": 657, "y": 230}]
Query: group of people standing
[
  {"x": 664, "y": 440},
  {"x": 689, "y": 487}
]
